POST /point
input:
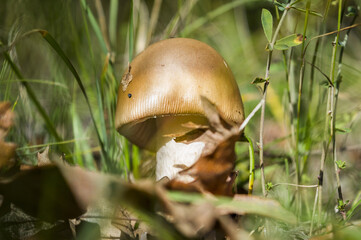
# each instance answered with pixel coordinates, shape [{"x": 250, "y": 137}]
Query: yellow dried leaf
[{"x": 7, "y": 150}]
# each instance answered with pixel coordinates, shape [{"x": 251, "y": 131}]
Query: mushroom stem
[{"x": 173, "y": 157}]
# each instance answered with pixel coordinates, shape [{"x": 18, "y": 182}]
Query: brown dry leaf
[
  {"x": 6, "y": 116},
  {"x": 51, "y": 192},
  {"x": 202, "y": 218},
  {"x": 213, "y": 172},
  {"x": 56, "y": 192},
  {"x": 7, "y": 150},
  {"x": 43, "y": 158},
  {"x": 192, "y": 220},
  {"x": 126, "y": 79}
]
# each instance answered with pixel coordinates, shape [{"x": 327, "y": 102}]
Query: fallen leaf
[
  {"x": 214, "y": 170},
  {"x": 50, "y": 193},
  {"x": 126, "y": 79},
  {"x": 43, "y": 158},
  {"x": 6, "y": 116},
  {"x": 7, "y": 152},
  {"x": 241, "y": 204},
  {"x": 193, "y": 220},
  {"x": 15, "y": 224}
]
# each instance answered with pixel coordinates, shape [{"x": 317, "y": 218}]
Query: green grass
[{"x": 63, "y": 79}]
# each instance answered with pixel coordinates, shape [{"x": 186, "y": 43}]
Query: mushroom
[{"x": 161, "y": 91}]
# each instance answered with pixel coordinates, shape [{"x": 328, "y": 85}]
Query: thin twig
[
  {"x": 296, "y": 185},
  {"x": 250, "y": 116},
  {"x": 108, "y": 217},
  {"x": 333, "y": 32}
]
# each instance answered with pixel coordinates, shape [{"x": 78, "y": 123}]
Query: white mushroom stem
[{"x": 173, "y": 157}]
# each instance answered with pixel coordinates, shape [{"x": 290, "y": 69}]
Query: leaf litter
[
  {"x": 7, "y": 153},
  {"x": 54, "y": 191},
  {"x": 214, "y": 170}
]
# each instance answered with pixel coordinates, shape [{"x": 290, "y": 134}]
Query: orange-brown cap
[{"x": 163, "y": 85}]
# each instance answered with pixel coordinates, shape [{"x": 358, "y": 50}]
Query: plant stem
[
  {"x": 251, "y": 166},
  {"x": 318, "y": 195},
  {"x": 245, "y": 122},
  {"x": 299, "y": 99},
  {"x": 264, "y": 98},
  {"x": 113, "y": 16},
  {"x": 334, "y": 97},
  {"x": 302, "y": 71}
]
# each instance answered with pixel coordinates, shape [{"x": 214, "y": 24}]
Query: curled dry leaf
[
  {"x": 56, "y": 192},
  {"x": 193, "y": 220},
  {"x": 43, "y": 158},
  {"x": 6, "y": 117},
  {"x": 213, "y": 171},
  {"x": 51, "y": 192},
  {"x": 6, "y": 120},
  {"x": 59, "y": 192},
  {"x": 126, "y": 79}
]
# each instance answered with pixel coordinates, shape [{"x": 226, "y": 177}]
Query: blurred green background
[{"x": 99, "y": 38}]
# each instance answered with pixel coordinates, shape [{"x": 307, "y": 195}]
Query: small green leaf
[
  {"x": 258, "y": 80},
  {"x": 281, "y": 47},
  {"x": 341, "y": 164},
  {"x": 343, "y": 130},
  {"x": 267, "y": 24},
  {"x": 269, "y": 186},
  {"x": 351, "y": 11},
  {"x": 289, "y": 41},
  {"x": 280, "y": 6},
  {"x": 342, "y": 205}
]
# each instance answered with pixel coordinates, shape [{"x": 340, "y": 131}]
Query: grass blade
[
  {"x": 113, "y": 16},
  {"x": 37, "y": 104},
  {"x": 70, "y": 66},
  {"x": 95, "y": 26},
  {"x": 215, "y": 13}
]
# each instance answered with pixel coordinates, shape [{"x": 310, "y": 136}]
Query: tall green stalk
[
  {"x": 299, "y": 100},
  {"x": 266, "y": 77}
]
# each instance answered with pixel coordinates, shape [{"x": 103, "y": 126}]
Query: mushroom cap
[{"x": 161, "y": 90}]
